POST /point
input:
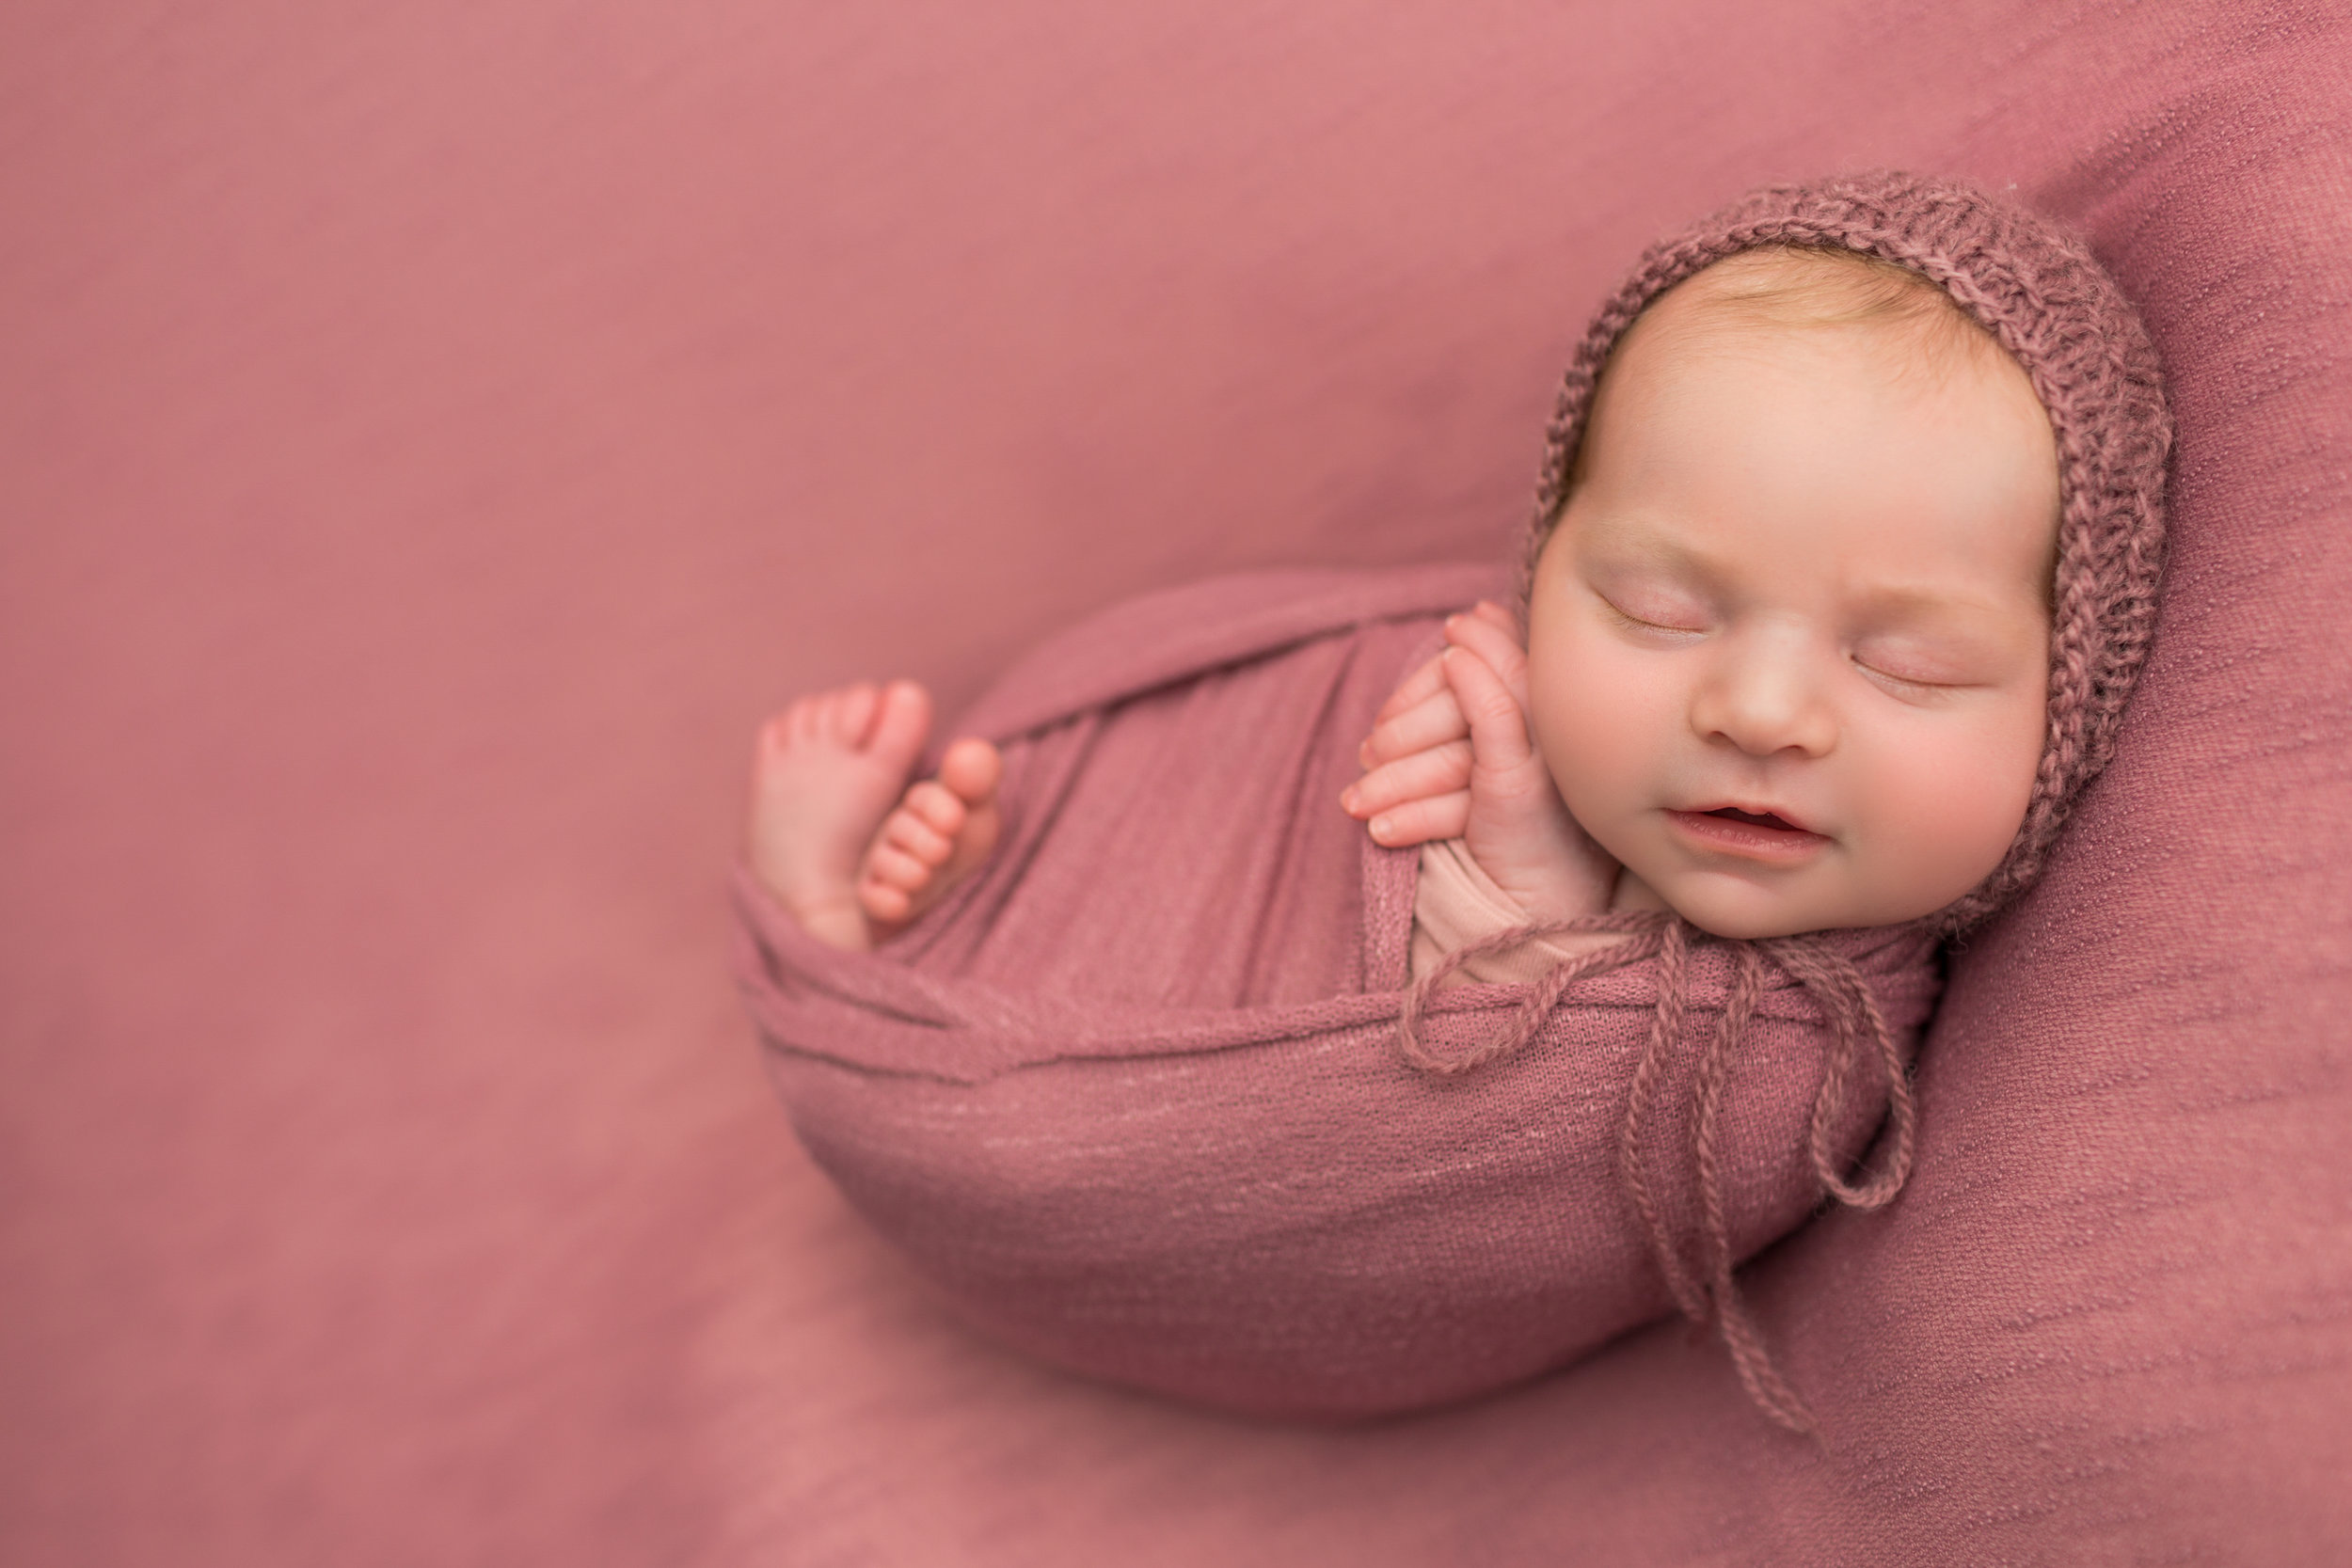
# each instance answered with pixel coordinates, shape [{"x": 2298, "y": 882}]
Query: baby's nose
[{"x": 1766, "y": 694}]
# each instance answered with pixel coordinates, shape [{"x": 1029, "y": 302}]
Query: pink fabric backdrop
[{"x": 431, "y": 435}]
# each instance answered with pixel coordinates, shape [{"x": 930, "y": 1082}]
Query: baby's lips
[
  {"x": 1774, "y": 818},
  {"x": 1747, "y": 834}
]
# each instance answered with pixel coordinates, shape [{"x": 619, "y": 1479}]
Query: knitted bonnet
[
  {"x": 2039, "y": 294},
  {"x": 2043, "y": 297}
]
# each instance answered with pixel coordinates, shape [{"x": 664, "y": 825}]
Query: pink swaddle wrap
[
  {"x": 1133, "y": 1097},
  {"x": 1149, "y": 1097}
]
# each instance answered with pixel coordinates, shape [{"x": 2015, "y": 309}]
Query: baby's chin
[
  {"x": 1736, "y": 908},
  {"x": 1749, "y": 928}
]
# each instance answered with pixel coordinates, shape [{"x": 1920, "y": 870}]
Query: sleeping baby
[{"x": 1841, "y": 568}]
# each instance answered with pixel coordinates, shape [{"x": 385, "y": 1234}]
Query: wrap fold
[{"x": 1133, "y": 1097}]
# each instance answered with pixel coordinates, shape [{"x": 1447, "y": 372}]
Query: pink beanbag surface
[{"x": 433, "y": 437}]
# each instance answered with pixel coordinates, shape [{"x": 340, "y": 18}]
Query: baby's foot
[
  {"x": 942, "y": 829},
  {"x": 827, "y": 771}
]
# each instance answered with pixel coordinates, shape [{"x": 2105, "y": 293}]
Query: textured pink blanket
[{"x": 1133, "y": 1097}]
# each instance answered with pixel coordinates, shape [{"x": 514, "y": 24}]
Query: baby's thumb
[{"x": 1498, "y": 730}]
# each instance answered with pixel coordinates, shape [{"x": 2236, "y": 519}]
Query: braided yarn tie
[{"x": 1707, "y": 1292}]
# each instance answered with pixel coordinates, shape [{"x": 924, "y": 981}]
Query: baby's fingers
[
  {"x": 1427, "y": 679},
  {"x": 1488, "y": 632},
  {"x": 1435, "y": 721},
  {"x": 1486, "y": 609},
  {"x": 1439, "y": 771},
  {"x": 1498, "y": 728},
  {"x": 1420, "y": 821}
]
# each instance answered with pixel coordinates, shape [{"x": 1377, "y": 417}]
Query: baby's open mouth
[
  {"x": 1759, "y": 835},
  {"x": 1767, "y": 819}
]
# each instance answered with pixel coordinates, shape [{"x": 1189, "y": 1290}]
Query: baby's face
[{"x": 1803, "y": 580}]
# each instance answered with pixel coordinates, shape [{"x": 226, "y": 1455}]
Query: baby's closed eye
[
  {"x": 1642, "y": 609},
  {"x": 1927, "y": 664}
]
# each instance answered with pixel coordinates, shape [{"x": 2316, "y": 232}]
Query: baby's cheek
[
  {"x": 1950, "y": 812},
  {"x": 1597, "y": 737}
]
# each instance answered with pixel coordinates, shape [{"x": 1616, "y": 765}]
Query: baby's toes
[
  {"x": 971, "y": 770},
  {"x": 899, "y": 721},
  {"x": 775, "y": 735},
  {"x": 888, "y": 865},
  {"x": 908, "y": 833},
  {"x": 935, "y": 806},
  {"x": 797, "y": 725},
  {"x": 848, "y": 712},
  {"x": 882, "y": 902}
]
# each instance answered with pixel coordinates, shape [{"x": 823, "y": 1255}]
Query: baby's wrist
[{"x": 1545, "y": 892}]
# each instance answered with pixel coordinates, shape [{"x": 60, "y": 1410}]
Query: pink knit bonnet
[{"x": 2039, "y": 292}]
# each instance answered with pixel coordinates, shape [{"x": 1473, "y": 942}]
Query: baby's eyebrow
[
  {"x": 1635, "y": 535},
  {"x": 1907, "y": 603},
  {"x": 1635, "y": 538}
]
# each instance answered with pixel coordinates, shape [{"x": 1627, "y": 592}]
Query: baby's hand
[
  {"x": 1450, "y": 757},
  {"x": 1417, "y": 763},
  {"x": 1417, "y": 760}
]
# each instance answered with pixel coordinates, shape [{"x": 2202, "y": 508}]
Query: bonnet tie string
[{"x": 1706, "y": 1292}]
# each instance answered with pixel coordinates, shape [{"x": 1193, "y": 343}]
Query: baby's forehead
[
  {"x": 1899, "y": 566},
  {"x": 1813, "y": 283},
  {"x": 1816, "y": 289},
  {"x": 1834, "y": 314},
  {"x": 1855, "y": 455}
]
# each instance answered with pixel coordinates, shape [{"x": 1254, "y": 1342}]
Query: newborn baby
[
  {"x": 1842, "y": 569},
  {"x": 1785, "y": 669}
]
